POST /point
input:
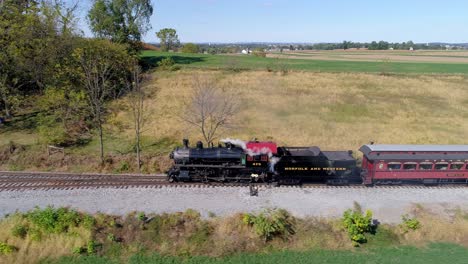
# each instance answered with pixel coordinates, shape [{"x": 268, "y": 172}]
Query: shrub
[
  {"x": 175, "y": 68},
  {"x": 88, "y": 221},
  {"x": 211, "y": 214},
  {"x": 35, "y": 234},
  {"x": 124, "y": 166},
  {"x": 6, "y": 249},
  {"x": 78, "y": 250},
  {"x": 357, "y": 225},
  {"x": 409, "y": 224},
  {"x": 91, "y": 247},
  {"x": 51, "y": 220},
  {"x": 141, "y": 216},
  {"x": 271, "y": 223},
  {"x": 259, "y": 52},
  {"x": 111, "y": 237},
  {"x": 19, "y": 231},
  {"x": 166, "y": 63},
  {"x": 191, "y": 214},
  {"x": 52, "y": 133},
  {"x": 190, "y": 48}
]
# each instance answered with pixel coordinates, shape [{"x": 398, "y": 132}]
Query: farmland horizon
[{"x": 305, "y": 43}]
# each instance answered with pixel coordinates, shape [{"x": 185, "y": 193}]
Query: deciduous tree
[
  {"x": 169, "y": 39},
  {"x": 35, "y": 40},
  {"x": 136, "y": 103},
  {"x": 122, "y": 21},
  {"x": 102, "y": 71}
]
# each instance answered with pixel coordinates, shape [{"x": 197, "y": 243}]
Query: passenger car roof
[
  {"x": 414, "y": 148},
  {"x": 410, "y": 152}
]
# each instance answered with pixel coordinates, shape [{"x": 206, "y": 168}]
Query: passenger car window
[
  {"x": 394, "y": 166},
  {"x": 456, "y": 166},
  {"x": 409, "y": 166},
  {"x": 441, "y": 166},
  {"x": 425, "y": 166}
]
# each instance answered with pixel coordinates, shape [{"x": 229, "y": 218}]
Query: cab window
[
  {"x": 394, "y": 166},
  {"x": 456, "y": 166},
  {"x": 409, "y": 166},
  {"x": 441, "y": 166},
  {"x": 425, "y": 166}
]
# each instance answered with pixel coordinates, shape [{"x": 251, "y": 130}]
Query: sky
[{"x": 304, "y": 21}]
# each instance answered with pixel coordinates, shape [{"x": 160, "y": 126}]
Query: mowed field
[
  {"x": 400, "y": 62},
  {"x": 427, "y": 56}
]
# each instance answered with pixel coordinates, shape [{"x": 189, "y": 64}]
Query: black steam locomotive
[
  {"x": 237, "y": 161},
  {"x": 265, "y": 161}
]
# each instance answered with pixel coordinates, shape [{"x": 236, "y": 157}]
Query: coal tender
[{"x": 310, "y": 164}]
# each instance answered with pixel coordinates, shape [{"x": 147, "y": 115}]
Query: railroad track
[
  {"x": 47, "y": 180},
  {"x": 11, "y": 181}
]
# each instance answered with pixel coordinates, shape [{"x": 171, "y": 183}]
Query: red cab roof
[{"x": 262, "y": 147}]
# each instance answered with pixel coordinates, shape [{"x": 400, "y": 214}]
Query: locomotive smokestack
[
  {"x": 185, "y": 141},
  {"x": 199, "y": 145}
]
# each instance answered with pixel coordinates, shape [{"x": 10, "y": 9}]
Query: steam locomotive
[{"x": 239, "y": 161}]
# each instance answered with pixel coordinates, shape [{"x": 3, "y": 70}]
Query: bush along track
[{"x": 66, "y": 235}]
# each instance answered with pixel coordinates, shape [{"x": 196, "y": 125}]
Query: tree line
[
  {"x": 374, "y": 45},
  {"x": 47, "y": 66},
  {"x": 44, "y": 55}
]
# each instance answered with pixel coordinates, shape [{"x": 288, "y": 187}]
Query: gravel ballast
[{"x": 387, "y": 203}]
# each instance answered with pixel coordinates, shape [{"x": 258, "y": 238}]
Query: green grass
[
  {"x": 251, "y": 63},
  {"x": 434, "y": 253}
]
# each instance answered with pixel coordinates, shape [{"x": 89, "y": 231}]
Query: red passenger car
[{"x": 429, "y": 164}]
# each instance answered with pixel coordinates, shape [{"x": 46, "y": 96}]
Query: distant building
[
  {"x": 411, "y": 48},
  {"x": 244, "y": 52}
]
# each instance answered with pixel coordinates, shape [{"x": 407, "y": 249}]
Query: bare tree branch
[
  {"x": 136, "y": 103},
  {"x": 210, "y": 109}
]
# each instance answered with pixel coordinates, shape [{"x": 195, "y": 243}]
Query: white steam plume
[
  {"x": 235, "y": 142},
  {"x": 273, "y": 161},
  {"x": 242, "y": 144}
]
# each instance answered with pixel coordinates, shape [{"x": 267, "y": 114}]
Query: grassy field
[
  {"x": 433, "y": 254},
  {"x": 418, "y": 56},
  {"x": 324, "y": 63},
  {"x": 332, "y": 110},
  {"x": 66, "y": 236}
]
